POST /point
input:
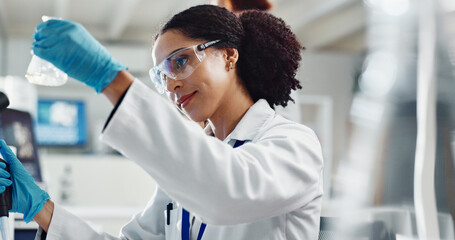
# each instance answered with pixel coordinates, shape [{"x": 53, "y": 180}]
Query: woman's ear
[{"x": 231, "y": 56}]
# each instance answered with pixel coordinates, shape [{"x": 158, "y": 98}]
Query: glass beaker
[{"x": 42, "y": 72}]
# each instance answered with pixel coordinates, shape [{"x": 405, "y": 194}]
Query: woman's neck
[{"x": 229, "y": 114}]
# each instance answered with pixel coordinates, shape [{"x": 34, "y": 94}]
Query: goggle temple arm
[{"x": 203, "y": 46}]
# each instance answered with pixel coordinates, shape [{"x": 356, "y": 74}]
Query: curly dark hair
[{"x": 269, "y": 53}]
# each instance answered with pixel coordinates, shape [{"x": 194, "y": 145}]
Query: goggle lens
[{"x": 178, "y": 65}]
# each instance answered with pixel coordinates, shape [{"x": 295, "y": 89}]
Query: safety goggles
[{"x": 179, "y": 65}]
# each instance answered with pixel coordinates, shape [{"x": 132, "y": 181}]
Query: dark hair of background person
[
  {"x": 242, "y": 5},
  {"x": 269, "y": 53}
]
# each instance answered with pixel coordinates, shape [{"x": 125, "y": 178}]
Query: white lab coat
[{"x": 269, "y": 188}]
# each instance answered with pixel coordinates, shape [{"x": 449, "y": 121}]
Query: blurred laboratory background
[{"x": 378, "y": 89}]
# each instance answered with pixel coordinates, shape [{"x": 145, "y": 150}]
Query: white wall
[
  {"x": 19, "y": 56},
  {"x": 97, "y": 180},
  {"x": 332, "y": 74},
  {"x": 106, "y": 190},
  {"x": 2, "y": 57}
]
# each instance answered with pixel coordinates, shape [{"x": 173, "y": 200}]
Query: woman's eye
[{"x": 180, "y": 62}]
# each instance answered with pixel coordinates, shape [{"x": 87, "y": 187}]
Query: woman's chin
[{"x": 195, "y": 117}]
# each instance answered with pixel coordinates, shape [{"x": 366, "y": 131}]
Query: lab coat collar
[{"x": 253, "y": 120}]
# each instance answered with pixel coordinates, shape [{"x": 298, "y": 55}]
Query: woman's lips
[{"x": 185, "y": 100}]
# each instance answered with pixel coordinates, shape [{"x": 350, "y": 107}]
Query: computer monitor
[
  {"x": 61, "y": 122},
  {"x": 16, "y": 128}
]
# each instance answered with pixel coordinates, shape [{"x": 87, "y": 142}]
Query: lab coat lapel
[{"x": 253, "y": 120}]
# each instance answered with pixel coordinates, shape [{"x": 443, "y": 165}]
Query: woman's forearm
[
  {"x": 44, "y": 217},
  {"x": 113, "y": 92},
  {"x": 118, "y": 86}
]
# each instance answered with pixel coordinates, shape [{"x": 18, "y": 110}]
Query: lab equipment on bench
[
  {"x": 5, "y": 197},
  {"x": 5, "y": 206},
  {"x": 16, "y": 128},
  {"x": 61, "y": 122}
]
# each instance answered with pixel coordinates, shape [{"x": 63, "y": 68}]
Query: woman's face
[{"x": 203, "y": 93}]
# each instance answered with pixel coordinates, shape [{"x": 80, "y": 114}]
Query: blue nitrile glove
[
  {"x": 28, "y": 198},
  {"x": 72, "y": 49}
]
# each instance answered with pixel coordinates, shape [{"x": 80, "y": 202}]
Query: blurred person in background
[{"x": 242, "y": 5}]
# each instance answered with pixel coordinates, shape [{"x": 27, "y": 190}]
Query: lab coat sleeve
[
  {"x": 65, "y": 225},
  {"x": 275, "y": 174},
  {"x": 148, "y": 224}
]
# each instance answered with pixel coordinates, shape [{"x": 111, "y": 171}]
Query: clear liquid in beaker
[{"x": 42, "y": 72}]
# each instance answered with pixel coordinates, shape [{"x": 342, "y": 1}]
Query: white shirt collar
[{"x": 250, "y": 124}]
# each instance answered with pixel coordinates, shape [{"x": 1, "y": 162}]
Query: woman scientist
[{"x": 251, "y": 175}]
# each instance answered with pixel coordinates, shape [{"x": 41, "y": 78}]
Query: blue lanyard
[{"x": 186, "y": 214}]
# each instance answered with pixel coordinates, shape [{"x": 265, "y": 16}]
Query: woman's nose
[{"x": 172, "y": 85}]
